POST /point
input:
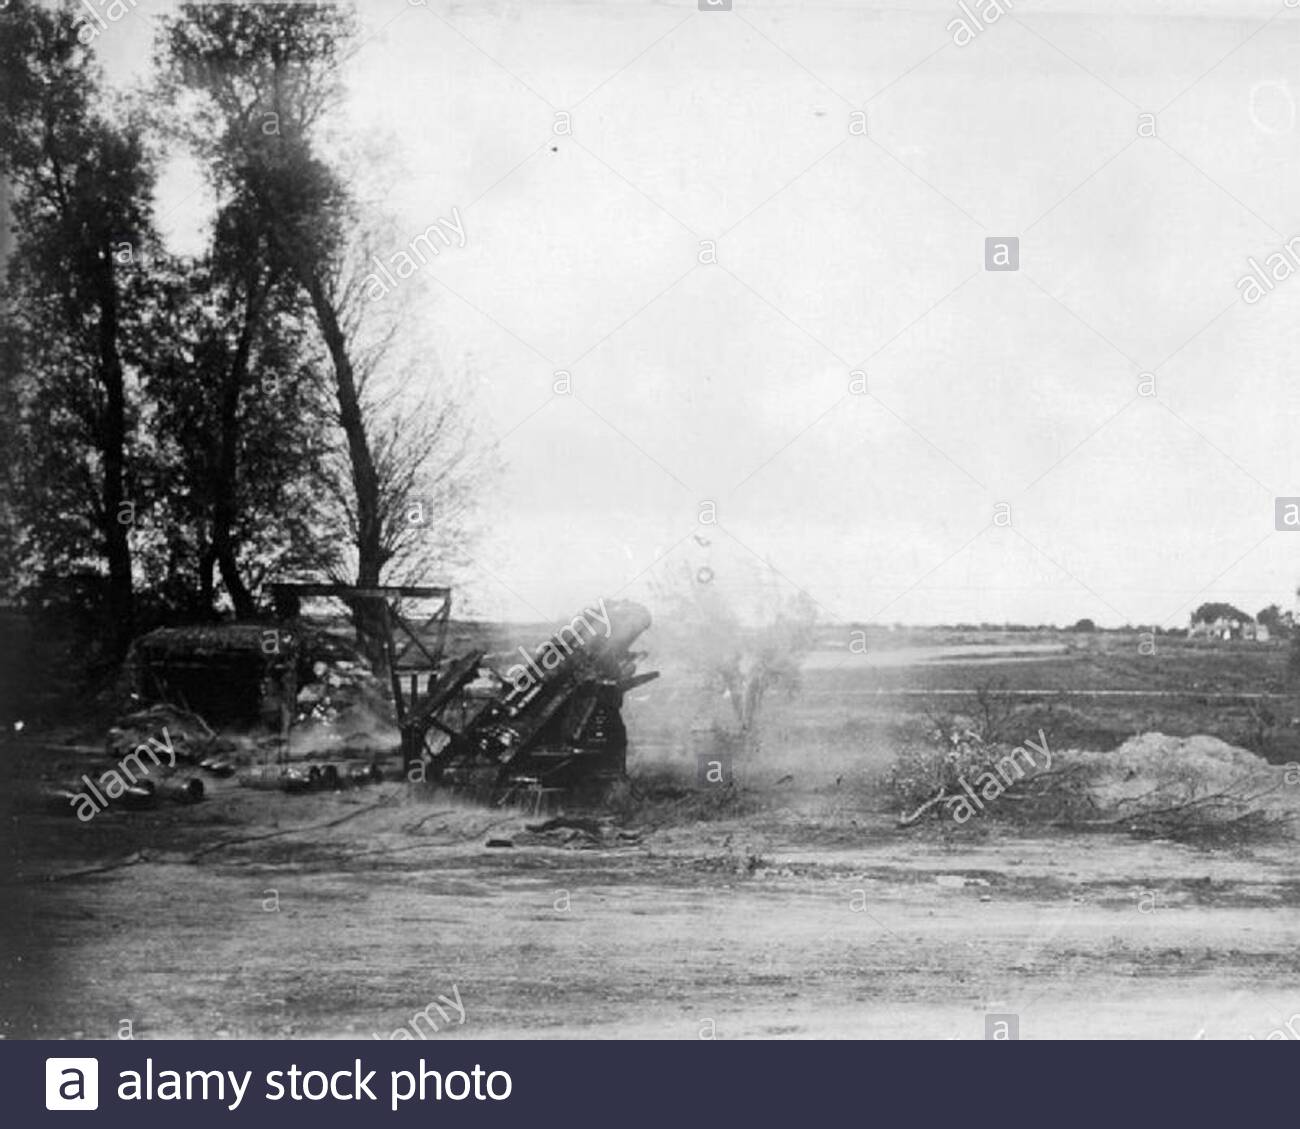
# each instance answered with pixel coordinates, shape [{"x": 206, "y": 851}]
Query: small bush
[{"x": 1196, "y": 790}]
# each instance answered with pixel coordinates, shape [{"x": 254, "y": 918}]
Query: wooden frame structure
[{"x": 414, "y": 657}]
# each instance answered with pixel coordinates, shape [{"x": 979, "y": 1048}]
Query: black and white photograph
[{"x": 620, "y": 520}]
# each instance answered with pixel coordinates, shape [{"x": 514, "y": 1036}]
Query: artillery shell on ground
[
  {"x": 279, "y": 778},
  {"x": 187, "y": 791}
]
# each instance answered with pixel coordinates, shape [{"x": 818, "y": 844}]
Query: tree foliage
[
  {"x": 1272, "y": 618},
  {"x": 83, "y": 182},
  {"x": 263, "y": 79},
  {"x": 1209, "y": 612},
  {"x": 184, "y": 428}
]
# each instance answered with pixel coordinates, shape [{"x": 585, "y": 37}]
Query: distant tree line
[
  {"x": 178, "y": 430},
  {"x": 1272, "y": 617}
]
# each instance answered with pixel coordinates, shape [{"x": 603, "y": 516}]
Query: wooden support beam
[{"x": 380, "y": 592}]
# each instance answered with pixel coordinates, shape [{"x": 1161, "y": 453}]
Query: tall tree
[
  {"x": 1209, "y": 612},
  {"x": 267, "y": 75},
  {"x": 83, "y": 195},
  {"x": 237, "y": 406}
]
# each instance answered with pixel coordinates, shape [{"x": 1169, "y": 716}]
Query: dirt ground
[
  {"x": 798, "y": 910},
  {"x": 784, "y": 925}
]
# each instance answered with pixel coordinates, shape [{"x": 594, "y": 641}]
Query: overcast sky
[{"x": 729, "y": 382}]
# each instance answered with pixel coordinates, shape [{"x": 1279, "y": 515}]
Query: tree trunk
[
  {"x": 117, "y": 516},
  {"x": 370, "y": 619},
  {"x": 207, "y": 585},
  {"x": 226, "y": 498}
]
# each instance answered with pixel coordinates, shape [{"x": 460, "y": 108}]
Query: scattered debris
[
  {"x": 1197, "y": 789},
  {"x": 189, "y": 790},
  {"x": 308, "y": 777},
  {"x": 190, "y": 736},
  {"x": 578, "y": 823},
  {"x": 582, "y": 832},
  {"x": 527, "y": 728},
  {"x": 342, "y": 692}
]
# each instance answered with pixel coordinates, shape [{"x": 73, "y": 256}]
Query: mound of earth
[
  {"x": 1182, "y": 787},
  {"x": 1154, "y": 767}
]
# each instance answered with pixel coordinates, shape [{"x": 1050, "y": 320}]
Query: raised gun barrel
[{"x": 556, "y": 721}]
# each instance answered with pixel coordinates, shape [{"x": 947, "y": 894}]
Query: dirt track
[{"x": 757, "y": 926}]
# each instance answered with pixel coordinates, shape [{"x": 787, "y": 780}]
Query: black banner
[{"x": 633, "y": 1084}]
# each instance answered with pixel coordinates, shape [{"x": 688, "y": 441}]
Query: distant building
[
  {"x": 1219, "y": 628},
  {"x": 1223, "y": 628}
]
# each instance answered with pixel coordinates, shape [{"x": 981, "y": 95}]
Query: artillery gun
[
  {"x": 548, "y": 723},
  {"x": 551, "y": 722}
]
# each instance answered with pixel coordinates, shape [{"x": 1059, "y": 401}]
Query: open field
[{"x": 793, "y": 906}]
